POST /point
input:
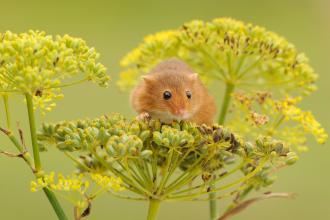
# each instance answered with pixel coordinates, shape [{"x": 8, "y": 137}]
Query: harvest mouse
[{"x": 173, "y": 91}]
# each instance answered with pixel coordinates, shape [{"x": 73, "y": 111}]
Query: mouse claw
[{"x": 143, "y": 116}]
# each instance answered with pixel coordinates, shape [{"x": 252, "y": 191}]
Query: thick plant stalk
[
  {"x": 153, "y": 209},
  {"x": 55, "y": 204},
  {"x": 213, "y": 203},
  {"x": 33, "y": 132},
  {"x": 225, "y": 105},
  {"x": 229, "y": 90},
  {"x": 37, "y": 163}
]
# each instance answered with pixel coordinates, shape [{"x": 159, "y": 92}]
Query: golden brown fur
[{"x": 176, "y": 77}]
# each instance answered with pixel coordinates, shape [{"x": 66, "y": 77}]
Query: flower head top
[
  {"x": 227, "y": 50},
  {"x": 167, "y": 161},
  {"x": 38, "y": 64}
]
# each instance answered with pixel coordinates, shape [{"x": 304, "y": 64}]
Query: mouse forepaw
[{"x": 143, "y": 116}]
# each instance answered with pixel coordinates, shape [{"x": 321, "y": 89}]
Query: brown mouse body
[{"x": 173, "y": 91}]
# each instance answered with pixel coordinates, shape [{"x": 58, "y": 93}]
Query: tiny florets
[
  {"x": 40, "y": 64},
  {"x": 227, "y": 50},
  {"x": 138, "y": 152}
]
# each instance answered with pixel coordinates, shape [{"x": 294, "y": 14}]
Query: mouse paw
[{"x": 143, "y": 116}]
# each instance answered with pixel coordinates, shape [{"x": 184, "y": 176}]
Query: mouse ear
[
  {"x": 193, "y": 76},
  {"x": 147, "y": 78}
]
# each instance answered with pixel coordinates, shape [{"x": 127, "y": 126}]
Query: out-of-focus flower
[
  {"x": 228, "y": 50},
  {"x": 285, "y": 120},
  {"x": 107, "y": 183},
  {"x": 305, "y": 118},
  {"x": 74, "y": 182}
]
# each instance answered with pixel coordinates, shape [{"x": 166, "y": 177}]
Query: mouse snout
[{"x": 180, "y": 111}]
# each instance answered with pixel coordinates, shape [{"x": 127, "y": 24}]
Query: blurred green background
[{"x": 115, "y": 27}]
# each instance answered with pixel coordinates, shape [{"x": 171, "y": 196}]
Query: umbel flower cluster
[
  {"x": 37, "y": 66},
  {"x": 40, "y": 65},
  {"x": 226, "y": 50},
  {"x": 161, "y": 162},
  {"x": 263, "y": 75},
  {"x": 263, "y": 114},
  {"x": 262, "y": 72}
]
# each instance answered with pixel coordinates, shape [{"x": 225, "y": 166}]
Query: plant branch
[
  {"x": 225, "y": 105},
  {"x": 55, "y": 204},
  {"x": 6, "y": 104},
  {"x": 23, "y": 153},
  {"x": 33, "y": 131}
]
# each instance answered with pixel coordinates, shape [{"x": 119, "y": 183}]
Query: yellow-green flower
[
  {"x": 310, "y": 125},
  {"x": 78, "y": 189},
  {"x": 107, "y": 183},
  {"x": 73, "y": 182},
  {"x": 40, "y": 64},
  {"x": 285, "y": 120},
  {"x": 228, "y": 50}
]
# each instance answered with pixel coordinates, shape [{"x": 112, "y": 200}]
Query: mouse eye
[
  {"x": 167, "y": 95},
  {"x": 188, "y": 94}
]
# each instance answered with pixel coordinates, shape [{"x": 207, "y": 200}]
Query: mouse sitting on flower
[{"x": 173, "y": 91}]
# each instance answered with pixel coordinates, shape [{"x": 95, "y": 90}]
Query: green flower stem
[
  {"x": 215, "y": 63},
  {"x": 140, "y": 172},
  {"x": 178, "y": 162},
  {"x": 172, "y": 168},
  {"x": 153, "y": 209},
  {"x": 154, "y": 168},
  {"x": 137, "y": 181},
  {"x": 71, "y": 83},
  {"x": 234, "y": 170},
  {"x": 134, "y": 187},
  {"x": 33, "y": 131},
  {"x": 225, "y": 105},
  {"x": 55, "y": 204},
  {"x": 248, "y": 69},
  {"x": 239, "y": 65},
  {"x": 229, "y": 65},
  {"x": 227, "y": 186},
  {"x": 185, "y": 176},
  {"x": 213, "y": 203},
  {"x": 6, "y": 103},
  {"x": 37, "y": 163},
  {"x": 166, "y": 172},
  {"x": 133, "y": 174},
  {"x": 126, "y": 197},
  {"x": 77, "y": 161},
  {"x": 213, "y": 181},
  {"x": 182, "y": 181},
  {"x": 147, "y": 170},
  {"x": 196, "y": 199}
]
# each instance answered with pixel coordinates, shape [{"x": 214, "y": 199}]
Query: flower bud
[
  {"x": 292, "y": 158},
  {"x": 146, "y": 154}
]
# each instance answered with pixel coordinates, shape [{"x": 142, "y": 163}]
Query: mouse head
[{"x": 172, "y": 96}]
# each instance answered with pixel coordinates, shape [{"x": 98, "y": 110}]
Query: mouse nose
[{"x": 180, "y": 111}]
